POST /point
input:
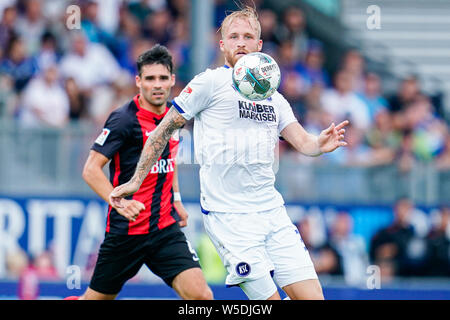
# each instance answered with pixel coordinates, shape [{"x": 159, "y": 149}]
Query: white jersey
[{"x": 235, "y": 141}]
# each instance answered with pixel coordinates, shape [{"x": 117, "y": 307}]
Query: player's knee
[
  {"x": 204, "y": 294},
  {"x": 201, "y": 294},
  {"x": 208, "y": 294},
  {"x": 317, "y": 295}
]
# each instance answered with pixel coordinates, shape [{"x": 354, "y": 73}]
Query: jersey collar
[{"x": 158, "y": 116}]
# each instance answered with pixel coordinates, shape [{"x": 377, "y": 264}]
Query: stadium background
[{"x": 388, "y": 73}]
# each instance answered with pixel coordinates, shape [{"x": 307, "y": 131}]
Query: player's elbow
[{"x": 89, "y": 172}]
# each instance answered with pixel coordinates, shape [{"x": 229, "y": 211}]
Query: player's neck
[
  {"x": 144, "y": 104},
  {"x": 228, "y": 64}
]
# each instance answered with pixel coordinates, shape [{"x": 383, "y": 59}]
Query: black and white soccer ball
[{"x": 256, "y": 76}]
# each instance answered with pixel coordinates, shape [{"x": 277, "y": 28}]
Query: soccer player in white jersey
[{"x": 235, "y": 139}]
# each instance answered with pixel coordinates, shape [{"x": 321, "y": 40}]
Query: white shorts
[{"x": 252, "y": 245}]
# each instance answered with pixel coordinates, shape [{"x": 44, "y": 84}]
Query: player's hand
[
  {"x": 131, "y": 209},
  {"x": 117, "y": 196},
  {"x": 182, "y": 213},
  {"x": 333, "y": 137}
]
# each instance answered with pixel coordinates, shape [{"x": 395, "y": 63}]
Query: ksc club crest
[{"x": 243, "y": 269}]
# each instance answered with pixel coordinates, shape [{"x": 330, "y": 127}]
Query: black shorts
[{"x": 165, "y": 252}]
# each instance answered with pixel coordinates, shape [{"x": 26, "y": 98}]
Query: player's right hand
[{"x": 131, "y": 209}]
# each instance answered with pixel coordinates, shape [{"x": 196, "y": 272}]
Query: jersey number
[{"x": 194, "y": 254}]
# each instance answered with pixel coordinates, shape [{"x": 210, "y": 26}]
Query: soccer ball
[{"x": 256, "y": 76}]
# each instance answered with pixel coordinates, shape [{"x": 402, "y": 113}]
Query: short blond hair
[{"x": 248, "y": 13}]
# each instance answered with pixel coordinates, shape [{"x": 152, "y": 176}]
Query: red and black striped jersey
[{"x": 122, "y": 140}]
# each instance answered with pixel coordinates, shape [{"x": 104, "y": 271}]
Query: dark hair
[{"x": 156, "y": 55}]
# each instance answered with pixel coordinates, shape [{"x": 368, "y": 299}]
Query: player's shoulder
[
  {"x": 278, "y": 98},
  {"x": 123, "y": 115},
  {"x": 213, "y": 74}
]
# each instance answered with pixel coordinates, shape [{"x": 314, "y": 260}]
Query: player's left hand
[
  {"x": 120, "y": 192},
  {"x": 181, "y": 212},
  {"x": 333, "y": 137}
]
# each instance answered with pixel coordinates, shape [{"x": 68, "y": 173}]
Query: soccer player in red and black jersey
[{"x": 147, "y": 229}]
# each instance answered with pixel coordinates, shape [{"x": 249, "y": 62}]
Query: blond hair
[{"x": 248, "y": 13}]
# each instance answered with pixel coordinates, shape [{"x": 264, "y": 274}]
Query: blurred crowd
[
  {"x": 51, "y": 75},
  {"x": 412, "y": 245}
]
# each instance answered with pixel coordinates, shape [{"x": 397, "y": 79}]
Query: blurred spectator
[
  {"x": 16, "y": 262},
  {"x": 91, "y": 27},
  {"x": 439, "y": 245},
  {"x": 406, "y": 157},
  {"x": 443, "y": 159},
  {"x": 178, "y": 8},
  {"x": 429, "y": 130},
  {"x": 382, "y": 137},
  {"x": 99, "y": 66},
  {"x": 29, "y": 272},
  {"x": 180, "y": 49},
  {"x": 108, "y": 98},
  {"x": 28, "y": 288},
  {"x": 357, "y": 153},
  {"x": 138, "y": 47},
  {"x": 158, "y": 27},
  {"x": 140, "y": 9},
  {"x": 8, "y": 97},
  {"x": 4, "y": 4},
  {"x": 17, "y": 64},
  {"x": 406, "y": 93},
  {"x": 353, "y": 63},
  {"x": 128, "y": 36},
  {"x": 293, "y": 89},
  {"x": 342, "y": 102},
  {"x": 397, "y": 248},
  {"x": 312, "y": 69},
  {"x": 324, "y": 256},
  {"x": 293, "y": 29},
  {"x": 371, "y": 95},
  {"x": 32, "y": 25},
  {"x": 312, "y": 99},
  {"x": 108, "y": 15},
  {"x": 44, "y": 267},
  {"x": 7, "y": 23},
  {"x": 288, "y": 57},
  {"x": 220, "y": 11},
  {"x": 292, "y": 82},
  {"x": 77, "y": 101},
  {"x": 45, "y": 102},
  {"x": 350, "y": 247},
  {"x": 48, "y": 53},
  {"x": 269, "y": 26}
]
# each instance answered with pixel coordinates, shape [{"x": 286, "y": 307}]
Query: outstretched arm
[
  {"x": 311, "y": 145},
  {"x": 153, "y": 149}
]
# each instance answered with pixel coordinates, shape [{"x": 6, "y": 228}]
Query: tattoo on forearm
[{"x": 156, "y": 143}]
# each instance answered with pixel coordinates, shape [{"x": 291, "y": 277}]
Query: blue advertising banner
[{"x": 73, "y": 228}]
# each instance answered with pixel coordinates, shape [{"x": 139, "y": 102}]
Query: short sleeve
[
  {"x": 196, "y": 96},
  {"x": 286, "y": 115},
  {"x": 112, "y": 136}
]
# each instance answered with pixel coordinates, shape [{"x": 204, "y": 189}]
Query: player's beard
[
  {"x": 233, "y": 57},
  {"x": 157, "y": 102}
]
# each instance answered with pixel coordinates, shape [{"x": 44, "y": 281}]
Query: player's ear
[
  {"x": 260, "y": 45},
  {"x": 221, "y": 45},
  {"x": 138, "y": 81},
  {"x": 174, "y": 80}
]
